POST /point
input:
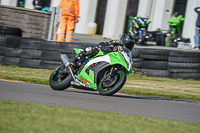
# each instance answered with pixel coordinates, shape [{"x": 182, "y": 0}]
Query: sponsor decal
[{"x": 84, "y": 80}]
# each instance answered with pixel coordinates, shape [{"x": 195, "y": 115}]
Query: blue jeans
[{"x": 196, "y": 36}]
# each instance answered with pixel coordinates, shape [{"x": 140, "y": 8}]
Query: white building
[{"x": 111, "y": 15}]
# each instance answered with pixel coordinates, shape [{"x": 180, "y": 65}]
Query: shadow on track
[{"x": 81, "y": 91}]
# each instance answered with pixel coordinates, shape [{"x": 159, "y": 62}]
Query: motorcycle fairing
[
  {"x": 78, "y": 50},
  {"x": 89, "y": 77}
]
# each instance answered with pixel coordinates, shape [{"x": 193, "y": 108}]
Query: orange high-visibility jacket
[{"x": 69, "y": 8}]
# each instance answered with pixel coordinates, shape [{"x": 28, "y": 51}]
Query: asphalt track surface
[{"x": 126, "y": 104}]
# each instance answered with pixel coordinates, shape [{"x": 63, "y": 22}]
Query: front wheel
[
  {"x": 110, "y": 85},
  {"x": 60, "y": 78}
]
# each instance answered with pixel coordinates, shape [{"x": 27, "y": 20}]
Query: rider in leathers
[{"x": 125, "y": 41}]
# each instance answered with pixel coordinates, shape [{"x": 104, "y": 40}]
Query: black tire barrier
[
  {"x": 195, "y": 76},
  {"x": 136, "y": 52},
  {"x": 31, "y": 54},
  {"x": 28, "y": 63},
  {"x": 155, "y": 73},
  {"x": 49, "y": 64},
  {"x": 0, "y": 58},
  {"x": 13, "y": 42},
  {"x": 50, "y": 56},
  {"x": 184, "y": 59},
  {"x": 9, "y": 61},
  {"x": 10, "y": 31},
  {"x": 30, "y": 43},
  {"x": 155, "y": 62},
  {"x": 1, "y": 49},
  {"x": 186, "y": 70},
  {"x": 154, "y": 57},
  {"x": 184, "y": 65},
  {"x": 155, "y": 54},
  {"x": 159, "y": 65},
  {"x": 38, "y": 53},
  {"x": 3, "y": 39},
  {"x": 184, "y": 56},
  {"x": 137, "y": 63},
  {"x": 157, "y": 51},
  {"x": 49, "y": 45},
  {"x": 185, "y": 53},
  {"x": 11, "y": 52}
]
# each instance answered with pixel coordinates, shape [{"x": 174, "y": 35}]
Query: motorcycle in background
[
  {"x": 138, "y": 29},
  {"x": 174, "y": 34}
]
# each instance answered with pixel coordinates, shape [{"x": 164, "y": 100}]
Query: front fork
[{"x": 112, "y": 73}]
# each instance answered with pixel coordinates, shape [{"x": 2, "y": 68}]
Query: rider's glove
[
  {"x": 88, "y": 50},
  {"x": 111, "y": 42}
]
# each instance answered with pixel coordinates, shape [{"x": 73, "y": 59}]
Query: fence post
[{"x": 51, "y": 25}]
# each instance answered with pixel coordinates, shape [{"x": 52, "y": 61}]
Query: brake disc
[{"x": 111, "y": 82}]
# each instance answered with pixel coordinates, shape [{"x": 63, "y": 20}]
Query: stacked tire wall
[
  {"x": 35, "y": 53},
  {"x": 151, "y": 61},
  {"x": 161, "y": 62},
  {"x": 184, "y": 64},
  {"x": 154, "y": 62}
]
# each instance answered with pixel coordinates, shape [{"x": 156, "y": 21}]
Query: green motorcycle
[{"x": 104, "y": 72}]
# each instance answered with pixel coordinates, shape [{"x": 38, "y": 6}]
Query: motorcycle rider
[
  {"x": 125, "y": 40},
  {"x": 137, "y": 24}
]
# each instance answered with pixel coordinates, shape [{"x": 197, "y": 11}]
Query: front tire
[
  {"x": 112, "y": 86},
  {"x": 60, "y": 78}
]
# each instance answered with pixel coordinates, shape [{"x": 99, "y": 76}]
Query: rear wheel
[
  {"x": 60, "y": 78},
  {"x": 109, "y": 85}
]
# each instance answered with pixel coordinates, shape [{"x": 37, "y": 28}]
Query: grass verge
[
  {"x": 25, "y": 117},
  {"x": 136, "y": 84}
]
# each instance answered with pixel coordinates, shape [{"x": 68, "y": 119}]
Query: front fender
[{"x": 101, "y": 68}]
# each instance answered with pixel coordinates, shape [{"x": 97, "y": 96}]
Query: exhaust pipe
[{"x": 65, "y": 60}]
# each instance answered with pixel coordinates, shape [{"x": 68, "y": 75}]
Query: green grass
[
  {"x": 37, "y": 76},
  {"x": 25, "y": 117},
  {"x": 162, "y": 87},
  {"x": 136, "y": 84},
  {"x": 16, "y": 117}
]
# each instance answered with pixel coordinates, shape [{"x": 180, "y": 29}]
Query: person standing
[
  {"x": 197, "y": 28},
  {"x": 69, "y": 16}
]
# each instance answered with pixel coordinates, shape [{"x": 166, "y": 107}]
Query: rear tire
[
  {"x": 115, "y": 87},
  {"x": 60, "y": 81}
]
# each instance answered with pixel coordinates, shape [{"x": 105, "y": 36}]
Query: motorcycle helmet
[{"x": 127, "y": 41}]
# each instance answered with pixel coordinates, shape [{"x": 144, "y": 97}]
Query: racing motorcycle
[{"x": 104, "y": 72}]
